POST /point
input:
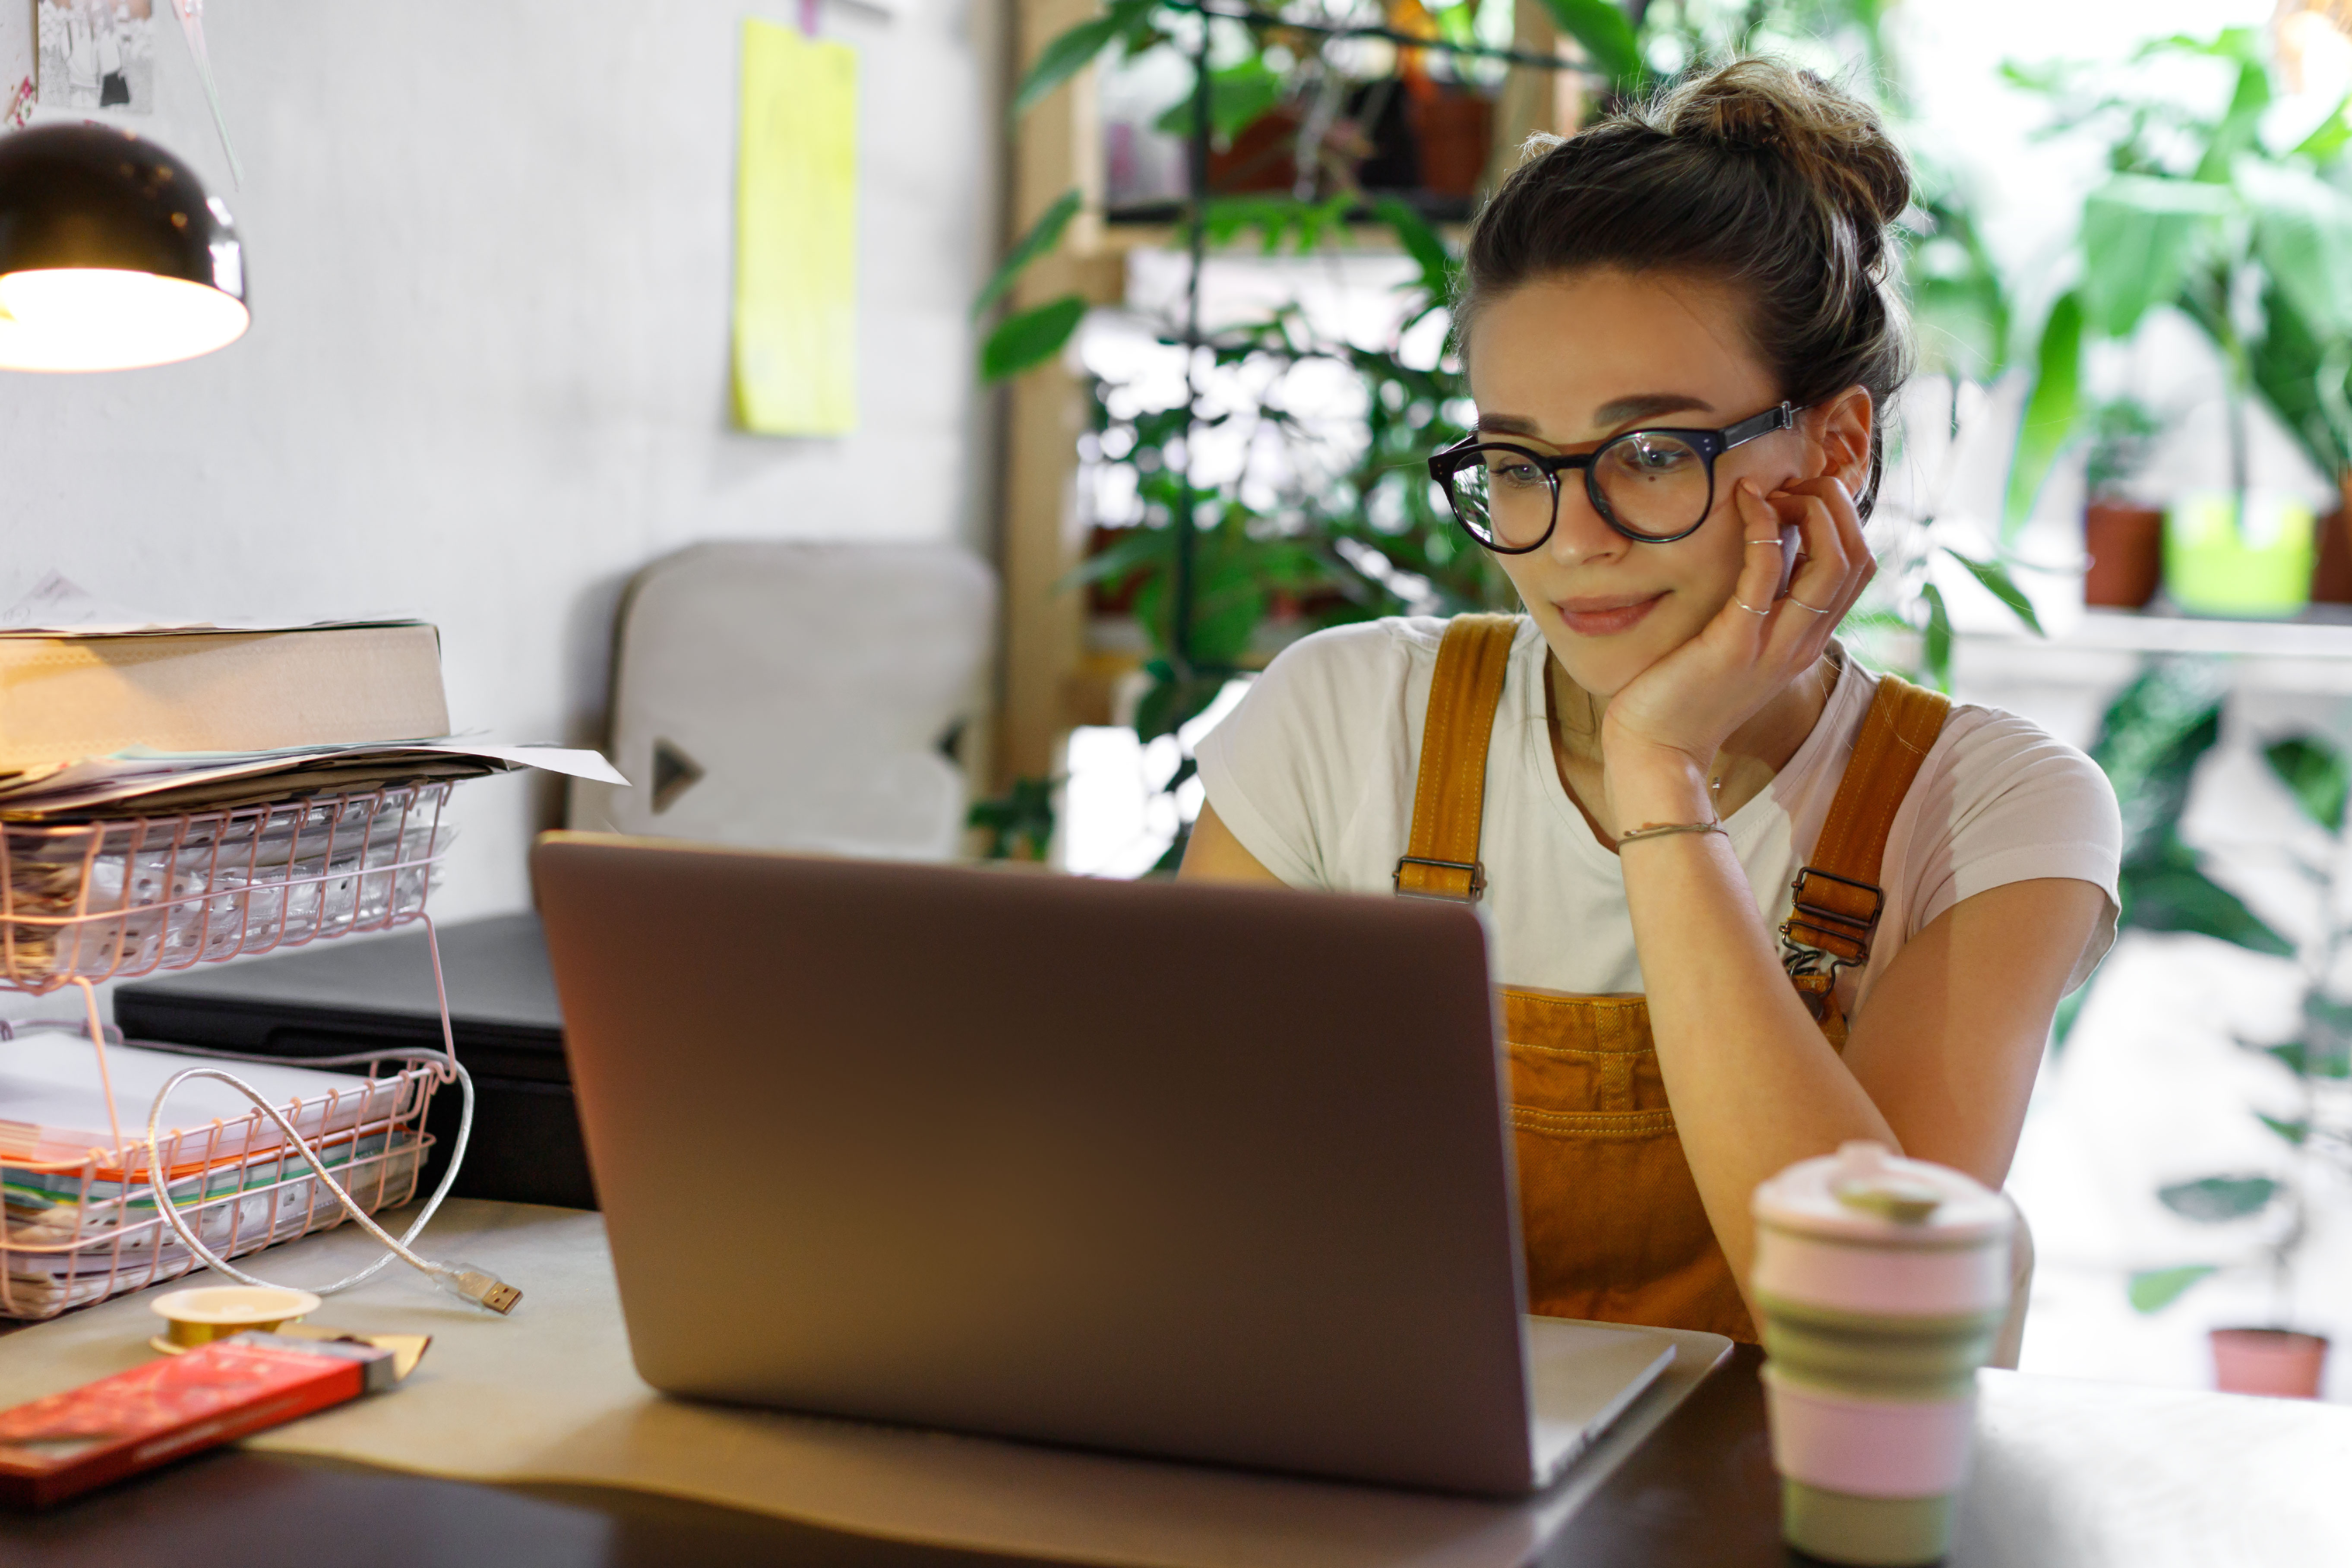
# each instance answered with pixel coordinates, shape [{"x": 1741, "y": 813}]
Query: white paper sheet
[
  {"x": 51, "y": 1107},
  {"x": 58, "y": 606}
]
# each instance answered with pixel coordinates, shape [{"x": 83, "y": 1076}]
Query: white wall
[{"x": 491, "y": 250}]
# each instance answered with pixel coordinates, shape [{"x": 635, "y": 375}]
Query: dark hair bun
[{"x": 1830, "y": 140}]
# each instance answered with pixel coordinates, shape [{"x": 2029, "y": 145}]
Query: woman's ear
[{"x": 1844, "y": 437}]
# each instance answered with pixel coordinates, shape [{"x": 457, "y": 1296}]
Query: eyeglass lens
[{"x": 1655, "y": 486}]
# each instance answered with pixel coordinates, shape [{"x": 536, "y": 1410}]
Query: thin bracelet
[{"x": 1660, "y": 829}]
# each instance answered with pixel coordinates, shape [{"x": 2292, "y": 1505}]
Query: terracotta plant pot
[
  {"x": 1262, "y": 156},
  {"x": 2277, "y": 1362},
  {"x": 1456, "y": 132},
  {"x": 2126, "y": 544},
  {"x": 2331, "y": 575}
]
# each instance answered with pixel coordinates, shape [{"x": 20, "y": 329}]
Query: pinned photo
[{"x": 97, "y": 54}]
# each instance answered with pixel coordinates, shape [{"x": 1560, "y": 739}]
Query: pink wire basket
[
  {"x": 118, "y": 899},
  {"x": 85, "y": 902},
  {"x": 74, "y": 1232}
]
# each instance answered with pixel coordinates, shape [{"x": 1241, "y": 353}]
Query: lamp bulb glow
[{"x": 75, "y": 318}]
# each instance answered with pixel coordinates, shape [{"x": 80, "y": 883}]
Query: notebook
[{"x": 67, "y": 697}]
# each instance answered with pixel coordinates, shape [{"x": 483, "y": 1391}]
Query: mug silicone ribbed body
[{"x": 1880, "y": 1284}]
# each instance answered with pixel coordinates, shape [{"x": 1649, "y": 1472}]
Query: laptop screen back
[{"x": 1209, "y": 1172}]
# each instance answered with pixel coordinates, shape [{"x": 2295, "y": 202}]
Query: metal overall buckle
[{"x": 1475, "y": 869}]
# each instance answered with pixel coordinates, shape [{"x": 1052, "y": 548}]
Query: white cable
[{"x": 462, "y": 1278}]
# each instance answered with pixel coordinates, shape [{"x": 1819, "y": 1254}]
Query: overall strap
[
  {"x": 1449, "y": 798},
  {"x": 1838, "y": 897}
]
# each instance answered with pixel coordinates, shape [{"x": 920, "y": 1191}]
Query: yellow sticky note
[{"x": 796, "y": 235}]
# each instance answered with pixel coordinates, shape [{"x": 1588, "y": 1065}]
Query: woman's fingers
[
  {"x": 1763, "y": 566},
  {"x": 1822, "y": 575},
  {"x": 1845, "y": 520}
]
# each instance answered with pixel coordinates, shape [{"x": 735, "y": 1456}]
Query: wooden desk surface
[
  {"x": 545, "y": 1413},
  {"x": 1701, "y": 1492}
]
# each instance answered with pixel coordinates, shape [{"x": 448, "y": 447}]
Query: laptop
[{"x": 1199, "y": 1172}]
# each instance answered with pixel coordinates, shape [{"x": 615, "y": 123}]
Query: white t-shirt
[{"x": 1314, "y": 773}]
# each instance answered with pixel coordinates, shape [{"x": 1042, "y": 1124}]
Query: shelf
[
  {"x": 2311, "y": 655},
  {"x": 2323, "y": 632}
]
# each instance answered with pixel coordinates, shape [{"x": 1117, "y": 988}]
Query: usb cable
[{"x": 462, "y": 1280}]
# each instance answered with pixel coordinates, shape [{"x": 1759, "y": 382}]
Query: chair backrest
[{"x": 796, "y": 696}]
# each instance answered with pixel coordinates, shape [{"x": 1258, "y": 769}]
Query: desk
[{"x": 2069, "y": 1473}]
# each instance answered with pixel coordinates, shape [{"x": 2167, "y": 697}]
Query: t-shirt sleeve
[
  {"x": 2010, "y": 804},
  {"x": 1284, "y": 769}
]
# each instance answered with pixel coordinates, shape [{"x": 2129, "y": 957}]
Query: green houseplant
[
  {"x": 2153, "y": 739},
  {"x": 2251, "y": 242}
]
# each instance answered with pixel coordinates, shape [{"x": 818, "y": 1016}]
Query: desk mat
[{"x": 549, "y": 1395}]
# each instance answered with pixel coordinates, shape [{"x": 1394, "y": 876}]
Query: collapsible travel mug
[{"x": 1883, "y": 1283}]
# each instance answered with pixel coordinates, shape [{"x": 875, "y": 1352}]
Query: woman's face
[{"x": 1562, "y": 365}]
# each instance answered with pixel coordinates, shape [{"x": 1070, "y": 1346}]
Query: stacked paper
[
  {"x": 329, "y": 707},
  {"x": 146, "y": 782},
  {"x": 52, "y": 1111}
]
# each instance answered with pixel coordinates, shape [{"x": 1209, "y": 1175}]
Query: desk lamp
[{"x": 111, "y": 256}]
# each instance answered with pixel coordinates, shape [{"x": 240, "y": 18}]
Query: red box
[{"x": 59, "y": 1446}]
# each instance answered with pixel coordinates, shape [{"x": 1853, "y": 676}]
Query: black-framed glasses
[{"x": 1651, "y": 486}]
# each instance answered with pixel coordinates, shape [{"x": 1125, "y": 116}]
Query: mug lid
[{"x": 1865, "y": 1193}]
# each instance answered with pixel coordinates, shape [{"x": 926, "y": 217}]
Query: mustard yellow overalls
[{"x": 1609, "y": 1214}]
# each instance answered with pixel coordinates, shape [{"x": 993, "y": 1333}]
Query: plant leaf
[
  {"x": 2137, "y": 231},
  {"x": 2175, "y": 896},
  {"x": 1072, "y": 51},
  {"x": 2329, "y": 1023},
  {"x": 1995, "y": 576},
  {"x": 1238, "y": 94},
  {"x": 1043, "y": 235},
  {"x": 2151, "y": 740},
  {"x": 2315, "y": 773},
  {"x": 1936, "y": 646},
  {"x": 2049, "y": 411},
  {"x": 2062, "y": 1023},
  {"x": 1019, "y": 823},
  {"x": 2154, "y": 1289},
  {"x": 2241, "y": 128},
  {"x": 2327, "y": 141},
  {"x": 1169, "y": 702},
  {"x": 2217, "y": 1200},
  {"x": 2302, "y": 233},
  {"x": 1136, "y": 549},
  {"x": 1422, "y": 243},
  {"x": 2293, "y": 1132},
  {"x": 1030, "y": 338},
  {"x": 1607, "y": 35}
]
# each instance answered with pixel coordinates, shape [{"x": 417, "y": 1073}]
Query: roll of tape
[{"x": 199, "y": 1317}]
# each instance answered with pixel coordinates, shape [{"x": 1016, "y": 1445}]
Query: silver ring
[
  {"x": 1748, "y": 607},
  {"x": 1773, "y": 543},
  {"x": 1802, "y": 605}
]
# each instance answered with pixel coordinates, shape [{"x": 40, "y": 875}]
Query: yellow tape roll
[{"x": 199, "y": 1317}]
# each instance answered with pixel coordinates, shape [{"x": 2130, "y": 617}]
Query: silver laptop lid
[{"x": 1211, "y": 1173}]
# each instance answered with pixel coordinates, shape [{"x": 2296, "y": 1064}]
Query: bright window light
[{"x": 102, "y": 319}]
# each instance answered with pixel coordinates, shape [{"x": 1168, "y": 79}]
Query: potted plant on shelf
[
  {"x": 2151, "y": 743},
  {"x": 2251, "y": 243},
  {"x": 2123, "y": 538}
]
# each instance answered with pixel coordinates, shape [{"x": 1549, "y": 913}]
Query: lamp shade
[{"x": 111, "y": 256}]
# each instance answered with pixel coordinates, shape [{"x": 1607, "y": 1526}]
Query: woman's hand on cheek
[{"x": 1663, "y": 730}]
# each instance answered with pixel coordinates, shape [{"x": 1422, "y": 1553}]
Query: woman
[{"x": 1680, "y": 338}]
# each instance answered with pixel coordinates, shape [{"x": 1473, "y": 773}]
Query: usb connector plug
[{"x": 479, "y": 1286}]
